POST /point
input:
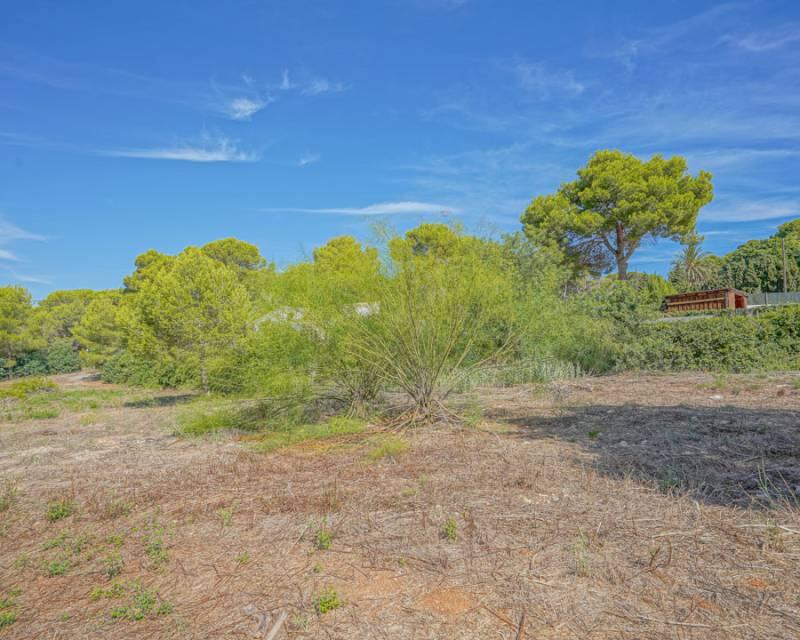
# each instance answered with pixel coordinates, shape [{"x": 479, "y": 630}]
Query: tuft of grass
[
  {"x": 581, "y": 555},
  {"x": 323, "y": 539},
  {"x": 57, "y": 567},
  {"x": 300, "y": 621},
  {"x": 8, "y": 496},
  {"x": 141, "y": 603},
  {"x": 289, "y": 436},
  {"x": 26, "y": 387},
  {"x": 7, "y": 618},
  {"x": 154, "y": 545},
  {"x": 59, "y": 509},
  {"x": 390, "y": 447},
  {"x": 449, "y": 530},
  {"x": 594, "y": 434},
  {"x": 327, "y": 600},
  {"x": 226, "y": 515},
  {"x": 115, "y": 508},
  {"x": 199, "y": 422},
  {"x": 242, "y": 558},
  {"x": 114, "y": 564}
]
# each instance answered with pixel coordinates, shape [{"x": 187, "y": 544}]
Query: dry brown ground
[{"x": 615, "y": 507}]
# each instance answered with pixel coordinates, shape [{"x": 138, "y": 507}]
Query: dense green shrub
[
  {"x": 62, "y": 357},
  {"x": 722, "y": 343},
  {"x": 127, "y": 368}
]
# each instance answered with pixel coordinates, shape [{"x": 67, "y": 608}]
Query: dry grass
[{"x": 559, "y": 534}]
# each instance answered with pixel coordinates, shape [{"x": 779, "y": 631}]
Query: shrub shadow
[
  {"x": 722, "y": 455},
  {"x": 160, "y": 401}
]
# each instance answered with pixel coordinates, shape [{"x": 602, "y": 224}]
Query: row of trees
[
  {"x": 755, "y": 266},
  {"x": 418, "y": 312}
]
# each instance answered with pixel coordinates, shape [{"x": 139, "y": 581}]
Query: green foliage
[
  {"x": 323, "y": 538},
  {"x": 327, "y": 600},
  {"x": 56, "y": 316},
  {"x": 15, "y": 313},
  {"x": 141, "y": 602},
  {"x": 757, "y": 265},
  {"x": 235, "y": 253},
  {"x": 62, "y": 357},
  {"x": 27, "y": 387},
  {"x": 600, "y": 219},
  {"x": 59, "y": 509},
  {"x": 450, "y": 530},
  {"x": 723, "y": 343},
  {"x": 99, "y": 332},
  {"x": 192, "y": 310},
  {"x": 390, "y": 447}
]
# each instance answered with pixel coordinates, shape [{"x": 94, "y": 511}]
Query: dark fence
[{"x": 790, "y": 297}]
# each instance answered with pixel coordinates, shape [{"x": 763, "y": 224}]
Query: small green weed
[
  {"x": 226, "y": 515},
  {"x": 300, "y": 621},
  {"x": 581, "y": 554},
  {"x": 390, "y": 447},
  {"x": 8, "y": 496},
  {"x": 594, "y": 434},
  {"x": 449, "y": 530},
  {"x": 154, "y": 546},
  {"x": 114, "y": 564},
  {"x": 57, "y": 567},
  {"x": 59, "y": 509},
  {"x": 323, "y": 539},
  {"x": 141, "y": 603},
  {"x": 7, "y": 618},
  {"x": 242, "y": 558},
  {"x": 327, "y": 600}
]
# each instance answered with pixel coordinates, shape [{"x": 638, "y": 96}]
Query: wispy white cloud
[
  {"x": 286, "y": 83},
  {"x": 307, "y": 159},
  {"x": 544, "y": 82},
  {"x": 8, "y": 255},
  {"x": 750, "y": 210},
  {"x": 245, "y": 108},
  {"x": 379, "y": 209},
  {"x": 218, "y": 150},
  {"x": 30, "y": 279},
  {"x": 317, "y": 86},
  {"x": 10, "y": 232},
  {"x": 769, "y": 40}
]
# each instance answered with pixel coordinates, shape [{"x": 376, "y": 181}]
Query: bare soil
[{"x": 617, "y": 507}]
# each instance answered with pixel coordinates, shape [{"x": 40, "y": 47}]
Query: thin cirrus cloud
[
  {"x": 378, "y": 209},
  {"x": 245, "y": 108},
  {"x": 307, "y": 159},
  {"x": 544, "y": 82},
  {"x": 220, "y": 150},
  {"x": 749, "y": 211}
]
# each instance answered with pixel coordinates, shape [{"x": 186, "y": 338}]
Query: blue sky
[{"x": 126, "y": 126}]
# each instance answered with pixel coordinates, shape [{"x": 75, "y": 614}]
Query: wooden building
[{"x": 713, "y": 300}]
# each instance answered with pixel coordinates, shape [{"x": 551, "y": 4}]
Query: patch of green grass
[
  {"x": 242, "y": 558},
  {"x": 59, "y": 509},
  {"x": 472, "y": 415},
  {"x": 44, "y": 400},
  {"x": 327, "y": 600},
  {"x": 390, "y": 447},
  {"x": 594, "y": 434},
  {"x": 7, "y": 618},
  {"x": 8, "y": 496},
  {"x": 57, "y": 567},
  {"x": 289, "y": 436},
  {"x": 140, "y": 602},
  {"x": 22, "y": 389},
  {"x": 323, "y": 539},
  {"x": 59, "y": 541},
  {"x": 449, "y": 530},
  {"x": 200, "y": 421},
  {"x": 154, "y": 546},
  {"x": 226, "y": 515}
]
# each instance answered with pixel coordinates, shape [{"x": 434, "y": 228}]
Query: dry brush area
[{"x": 615, "y": 507}]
